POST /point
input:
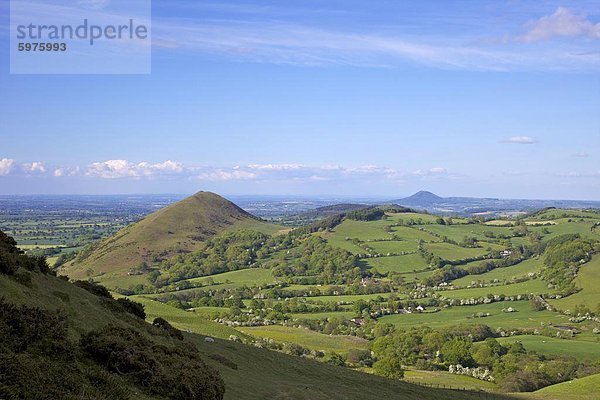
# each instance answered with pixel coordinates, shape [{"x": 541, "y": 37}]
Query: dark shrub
[
  {"x": 132, "y": 307},
  {"x": 167, "y": 327},
  {"x": 23, "y": 277},
  {"x": 173, "y": 372},
  {"x": 32, "y": 329},
  {"x": 94, "y": 288}
]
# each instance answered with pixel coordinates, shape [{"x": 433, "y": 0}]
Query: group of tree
[{"x": 511, "y": 366}]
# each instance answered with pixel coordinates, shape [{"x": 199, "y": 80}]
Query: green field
[
  {"x": 578, "y": 389},
  {"x": 307, "y": 338},
  {"x": 185, "y": 320},
  {"x": 523, "y": 318},
  {"x": 458, "y": 232},
  {"x": 503, "y": 274},
  {"x": 414, "y": 234},
  {"x": 400, "y": 264},
  {"x": 449, "y": 251},
  {"x": 589, "y": 280},
  {"x": 532, "y": 286},
  {"x": 393, "y": 246},
  {"x": 258, "y": 373},
  {"x": 248, "y": 277},
  {"x": 548, "y": 345}
]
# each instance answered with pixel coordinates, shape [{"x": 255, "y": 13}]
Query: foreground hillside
[
  {"x": 97, "y": 328},
  {"x": 177, "y": 229}
]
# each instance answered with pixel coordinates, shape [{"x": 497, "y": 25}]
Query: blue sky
[{"x": 378, "y": 98}]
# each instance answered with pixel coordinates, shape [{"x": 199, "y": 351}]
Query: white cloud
[
  {"x": 226, "y": 175},
  {"x": 563, "y": 23},
  {"x": 268, "y": 172},
  {"x": 66, "y": 171},
  {"x": 6, "y": 165},
  {"x": 430, "y": 171},
  {"x": 36, "y": 167},
  {"x": 113, "y": 169},
  {"x": 519, "y": 140},
  {"x": 276, "y": 167}
]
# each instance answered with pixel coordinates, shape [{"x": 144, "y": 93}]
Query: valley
[{"x": 340, "y": 288}]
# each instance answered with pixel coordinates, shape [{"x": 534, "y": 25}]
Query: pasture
[
  {"x": 524, "y": 317},
  {"x": 532, "y": 286},
  {"x": 582, "y": 350},
  {"x": 449, "y": 251},
  {"x": 588, "y": 280},
  {"x": 307, "y": 338},
  {"x": 519, "y": 270}
]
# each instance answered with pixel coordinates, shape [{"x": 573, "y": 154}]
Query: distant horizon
[{"x": 356, "y": 197}]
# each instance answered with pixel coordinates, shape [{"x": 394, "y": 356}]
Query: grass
[
  {"x": 248, "y": 277},
  {"x": 449, "y": 251},
  {"x": 458, "y": 232},
  {"x": 259, "y": 373},
  {"x": 532, "y": 286},
  {"x": 266, "y": 375},
  {"x": 307, "y": 338},
  {"x": 414, "y": 234},
  {"x": 503, "y": 274},
  {"x": 525, "y": 317},
  {"x": 393, "y": 246},
  {"x": 581, "y": 350},
  {"x": 350, "y": 298},
  {"x": 400, "y": 264},
  {"x": 578, "y": 389},
  {"x": 406, "y": 217},
  {"x": 446, "y": 379},
  {"x": 372, "y": 230},
  {"x": 588, "y": 280},
  {"x": 184, "y": 320}
]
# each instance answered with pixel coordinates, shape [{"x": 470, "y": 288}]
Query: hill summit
[
  {"x": 178, "y": 228},
  {"x": 421, "y": 198}
]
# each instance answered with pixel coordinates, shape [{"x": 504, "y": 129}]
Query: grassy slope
[
  {"x": 578, "y": 389},
  {"x": 180, "y": 227},
  {"x": 548, "y": 345},
  {"x": 304, "y": 337},
  {"x": 589, "y": 280},
  {"x": 523, "y": 318},
  {"x": 261, "y": 374}
]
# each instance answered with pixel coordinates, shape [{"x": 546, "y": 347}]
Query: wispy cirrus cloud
[
  {"x": 519, "y": 140},
  {"x": 267, "y": 38}
]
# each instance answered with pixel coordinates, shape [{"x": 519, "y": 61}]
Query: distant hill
[
  {"x": 473, "y": 205},
  {"x": 178, "y": 228},
  {"x": 421, "y": 198}
]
